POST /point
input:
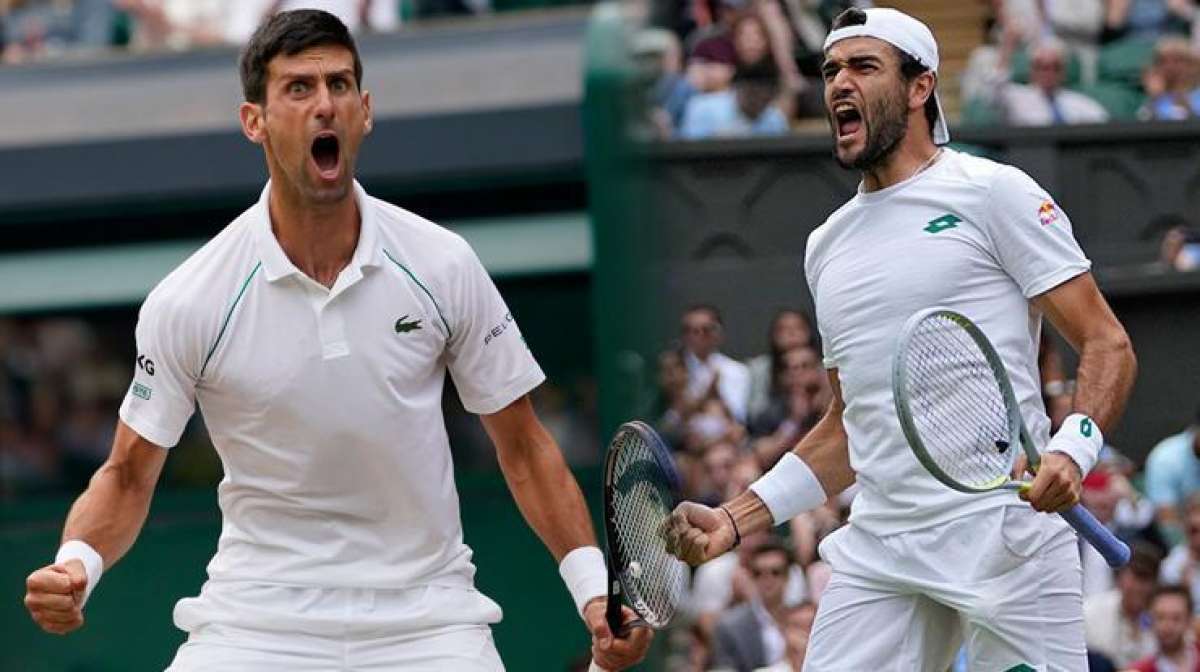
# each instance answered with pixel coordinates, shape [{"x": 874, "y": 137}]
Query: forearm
[
  {"x": 1104, "y": 379},
  {"x": 825, "y": 451},
  {"x": 110, "y": 513},
  {"x": 547, "y": 494}
]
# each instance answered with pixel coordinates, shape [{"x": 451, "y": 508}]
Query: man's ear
[
  {"x": 921, "y": 90},
  {"x": 368, "y": 116},
  {"x": 254, "y": 122}
]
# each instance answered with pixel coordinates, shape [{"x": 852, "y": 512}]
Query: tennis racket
[
  {"x": 960, "y": 416},
  {"x": 641, "y": 489}
]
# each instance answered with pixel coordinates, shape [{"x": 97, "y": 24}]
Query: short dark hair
[
  {"x": 773, "y": 545},
  {"x": 705, "y": 308},
  {"x": 1144, "y": 561},
  {"x": 290, "y": 33},
  {"x": 910, "y": 67},
  {"x": 1174, "y": 589},
  {"x": 763, "y": 71}
]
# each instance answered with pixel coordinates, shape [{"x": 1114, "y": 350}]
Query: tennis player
[
  {"x": 921, "y": 567},
  {"x": 315, "y": 333}
]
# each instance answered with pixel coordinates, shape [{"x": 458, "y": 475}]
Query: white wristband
[
  {"x": 93, "y": 564},
  {"x": 789, "y": 489},
  {"x": 1080, "y": 439},
  {"x": 584, "y": 573}
]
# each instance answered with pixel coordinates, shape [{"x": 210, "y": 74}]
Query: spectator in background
[
  {"x": 748, "y": 110},
  {"x": 727, "y": 581},
  {"x": 797, "y": 628},
  {"x": 1182, "y": 564},
  {"x": 1044, "y": 101},
  {"x": 1116, "y": 624},
  {"x": 1109, "y": 496},
  {"x": 789, "y": 329},
  {"x": 1172, "y": 82},
  {"x": 751, "y": 635},
  {"x": 710, "y": 372},
  {"x": 1172, "y": 476},
  {"x": 1147, "y": 19},
  {"x": 804, "y": 396},
  {"x": 1180, "y": 250},
  {"x": 674, "y": 406},
  {"x": 176, "y": 24},
  {"x": 38, "y": 28},
  {"x": 245, "y": 16},
  {"x": 1175, "y": 644}
]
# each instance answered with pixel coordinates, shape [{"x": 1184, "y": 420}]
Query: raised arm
[
  {"x": 699, "y": 533},
  {"x": 551, "y": 502},
  {"x": 107, "y": 517}
]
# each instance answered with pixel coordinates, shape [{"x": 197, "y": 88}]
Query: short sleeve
[
  {"x": 162, "y": 396},
  {"x": 488, "y": 358},
  {"x": 1032, "y": 236}
]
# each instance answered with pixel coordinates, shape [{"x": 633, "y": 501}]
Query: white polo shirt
[{"x": 325, "y": 404}]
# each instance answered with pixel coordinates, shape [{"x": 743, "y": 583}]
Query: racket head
[
  {"x": 641, "y": 489},
  {"x": 955, "y": 403}
]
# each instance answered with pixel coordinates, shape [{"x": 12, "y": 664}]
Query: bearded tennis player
[
  {"x": 922, "y": 569},
  {"x": 315, "y": 333}
]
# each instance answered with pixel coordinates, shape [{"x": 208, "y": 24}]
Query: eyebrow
[{"x": 294, "y": 75}]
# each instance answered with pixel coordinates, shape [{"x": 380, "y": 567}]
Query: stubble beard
[{"x": 889, "y": 125}]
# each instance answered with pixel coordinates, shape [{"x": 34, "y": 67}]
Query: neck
[
  {"x": 318, "y": 238},
  {"x": 911, "y": 157}
]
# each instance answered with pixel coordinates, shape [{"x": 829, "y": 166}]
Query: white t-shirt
[
  {"x": 325, "y": 404},
  {"x": 976, "y": 236}
]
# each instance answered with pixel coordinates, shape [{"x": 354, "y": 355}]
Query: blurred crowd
[
  {"x": 37, "y": 29},
  {"x": 62, "y": 379},
  {"x": 1084, "y": 61},
  {"x": 728, "y": 421},
  {"x": 736, "y": 68}
]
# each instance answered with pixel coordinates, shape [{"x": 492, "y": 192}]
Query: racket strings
[
  {"x": 653, "y": 579},
  {"x": 958, "y": 407}
]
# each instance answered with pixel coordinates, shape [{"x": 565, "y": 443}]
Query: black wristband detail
[{"x": 737, "y": 535}]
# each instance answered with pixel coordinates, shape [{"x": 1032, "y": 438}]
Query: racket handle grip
[
  {"x": 596, "y": 668},
  {"x": 1115, "y": 551}
]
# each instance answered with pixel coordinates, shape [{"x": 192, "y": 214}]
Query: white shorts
[
  {"x": 1005, "y": 580},
  {"x": 250, "y": 627}
]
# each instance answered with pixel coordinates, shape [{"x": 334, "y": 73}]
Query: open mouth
[
  {"x": 326, "y": 155},
  {"x": 848, "y": 120}
]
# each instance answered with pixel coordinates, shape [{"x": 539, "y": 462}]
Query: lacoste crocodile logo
[{"x": 403, "y": 327}]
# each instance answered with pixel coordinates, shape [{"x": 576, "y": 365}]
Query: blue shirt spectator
[
  {"x": 1172, "y": 475},
  {"x": 714, "y": 115},
  {"x": 748, "y": 109}
]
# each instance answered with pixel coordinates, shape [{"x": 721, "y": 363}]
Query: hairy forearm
[
  {"x": 1104, "y": 378},
  {"x": 109, "y": 515},
  {"x": 825, "y": 451},
  {"x": 546, "y": 493}
]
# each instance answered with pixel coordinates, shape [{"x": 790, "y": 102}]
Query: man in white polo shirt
[{"x": 315, "y": 332}]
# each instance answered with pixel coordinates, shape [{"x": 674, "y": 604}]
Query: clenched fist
[
  {"x": 54, "y": 596},
  {"x": 696, "y": 533}
]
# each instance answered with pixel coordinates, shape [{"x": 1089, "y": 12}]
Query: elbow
[{"x": 124, "y": 476}]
